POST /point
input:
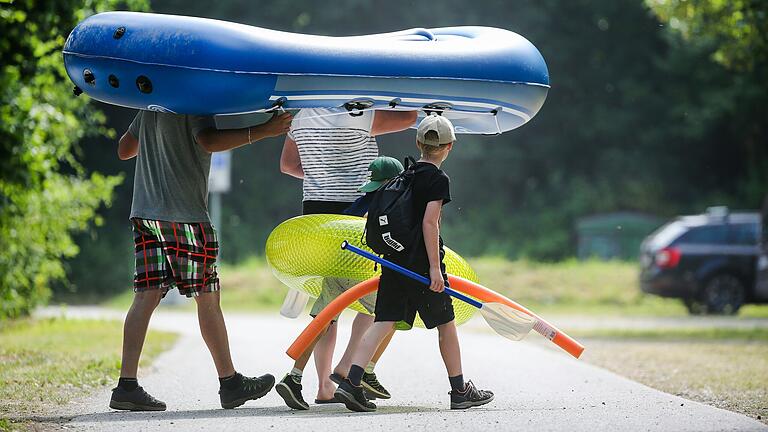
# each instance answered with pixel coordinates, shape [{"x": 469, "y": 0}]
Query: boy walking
[
  {"x": 399, "y": 298},
  {"x": 176, "y": 246}
]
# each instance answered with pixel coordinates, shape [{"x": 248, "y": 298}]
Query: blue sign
[{"x": 219, "y": 179}]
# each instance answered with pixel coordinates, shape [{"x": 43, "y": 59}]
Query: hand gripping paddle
[{"x": 504, "y": 320}]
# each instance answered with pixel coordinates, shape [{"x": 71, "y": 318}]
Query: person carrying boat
[
  {"x": 176, "y": 245},
  {"x": 330, "y": 150}
]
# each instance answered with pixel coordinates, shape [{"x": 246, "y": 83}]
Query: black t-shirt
[{"x": 429, "y": 184}]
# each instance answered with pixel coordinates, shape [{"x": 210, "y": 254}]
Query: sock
[
  {"x": 457, "y": 383},
  {"x": 369, "y": 368},
  {"x": 128, "y": 384},
  {"x": 355, "y": 374},
  {"x": 231, "y": 382},
  {"x": 296, "y": 374}
]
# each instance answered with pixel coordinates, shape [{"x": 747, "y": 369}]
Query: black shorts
[
  {"x": 324, "y": 207},
  {"x": 400, "y": 297}
]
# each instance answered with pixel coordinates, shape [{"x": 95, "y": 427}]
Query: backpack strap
[{"x": 408, "y": 162}]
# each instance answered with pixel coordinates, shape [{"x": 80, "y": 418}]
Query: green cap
[{"x": 382, "y": 169}]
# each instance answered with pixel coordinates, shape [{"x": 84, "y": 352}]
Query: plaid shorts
[{"x": 173, "y": 254}]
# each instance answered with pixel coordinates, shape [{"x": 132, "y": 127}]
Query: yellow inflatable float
[{"x": 304, "y": 251}]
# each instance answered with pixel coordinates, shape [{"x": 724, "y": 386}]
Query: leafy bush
[{"x": 45, "y": 194}]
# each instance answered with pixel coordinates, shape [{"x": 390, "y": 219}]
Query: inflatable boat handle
[
  {"x": 421, "y": 32},
  {"x": 399, "y": 34}
]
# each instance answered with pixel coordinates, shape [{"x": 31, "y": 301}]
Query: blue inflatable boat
[{"x": 486, "y": 80}]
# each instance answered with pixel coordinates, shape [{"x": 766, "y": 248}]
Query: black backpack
[{"x": 391, "y": 228}]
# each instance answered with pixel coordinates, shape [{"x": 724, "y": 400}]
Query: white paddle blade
[
  {"x": 294, "y": 303},
  {"x": 506, "y": 321}
]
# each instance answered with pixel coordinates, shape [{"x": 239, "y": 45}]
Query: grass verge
[
  {"x": 44, "y": 363},
  {"x": 595, "y": 288},
  {"x": 572, "y": 287},
  {"x": 726, "y": 368}
]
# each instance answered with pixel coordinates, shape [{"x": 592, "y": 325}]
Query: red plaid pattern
[{"x": 173, "y": 254}]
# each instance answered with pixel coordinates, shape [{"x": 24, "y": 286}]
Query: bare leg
[
  {"x": 323, "y": 360},
  {"x": 370, "y": 342},
  {"x": 383, "y": 346},
  {"x": 359, "y": 326},
  {"x": 361, "y": 323},
  {"x": 135, "y": 329},
  {"x": 449, "y": 348},
  {"x": 214, "y": 331},
  {"x": 301, "y": 362}
]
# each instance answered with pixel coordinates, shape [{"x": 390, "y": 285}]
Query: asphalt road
[{"x": 536, "y": 388}]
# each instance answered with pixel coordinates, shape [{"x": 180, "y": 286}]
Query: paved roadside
[
  {"x": 537, "y": 389},
  {"x": 580, "y": 322}
]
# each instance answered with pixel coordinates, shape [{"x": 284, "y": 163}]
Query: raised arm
[
  {"x": 128, "y": 146},
  {"x": 290, "y": 161},
  {"x": 213, "y": 140},
  {"x": 385, "y": 122}
]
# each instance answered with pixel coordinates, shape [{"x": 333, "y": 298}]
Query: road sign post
[{"x": 219, "y": 182}]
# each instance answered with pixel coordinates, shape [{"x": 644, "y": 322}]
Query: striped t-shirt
[{"x": 335, "y": 152}]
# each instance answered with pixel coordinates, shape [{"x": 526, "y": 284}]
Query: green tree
[
  {"x": 45, "y": 194},
  {"x": 733, "y": 32},
  {"x": 738, "y": 27}
]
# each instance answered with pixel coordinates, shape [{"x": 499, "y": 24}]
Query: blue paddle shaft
[{"x": 405, "y": 272}]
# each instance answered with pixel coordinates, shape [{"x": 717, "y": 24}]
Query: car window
[
  {"x": 663, "y": 236},
  {"x": 708, "y": 234},
  {"x": 744, "y": 234},
  {"x": 764, "y": 229}
]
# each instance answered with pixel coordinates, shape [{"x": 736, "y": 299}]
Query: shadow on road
[{"x": 276, "y": 411}]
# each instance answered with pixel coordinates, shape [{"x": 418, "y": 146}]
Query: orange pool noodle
[{"x": 321, "y": 321}]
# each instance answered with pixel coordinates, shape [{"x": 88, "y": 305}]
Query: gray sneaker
[
  {"x": 290, "y": 391},
  {"x": 353, "y": 397},
  {"x": 470, "y": 397},
  {"x": 135, "y": 400},
  {"x": 373, "y": 387},
  {"x": 250, "y": 388}
]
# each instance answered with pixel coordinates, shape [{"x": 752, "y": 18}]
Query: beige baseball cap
[{"x": 442, "y": 127}]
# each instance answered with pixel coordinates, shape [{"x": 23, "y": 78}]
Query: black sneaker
[
  {"x": 338, "y": 379},
  {"x": 353, "y": 397},
  {"x": 290, "y": 391},
  {"x": 470, "y": 397},
  {"x": 134, "y": 400},
  {"x": 249, "y": 389},
  {"x": 373, "y": 387}
]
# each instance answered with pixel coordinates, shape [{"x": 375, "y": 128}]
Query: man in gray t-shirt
[
  {"x": 171, "y": 182},
  {"x": 175, "y": 244}
]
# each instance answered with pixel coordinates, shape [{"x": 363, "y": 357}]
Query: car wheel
[
  {"x": 723, "y": 294},
  {"x": 695, "y": 306}
]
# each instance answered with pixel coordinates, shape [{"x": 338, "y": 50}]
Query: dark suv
[{"x": 711, "y": 261}]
